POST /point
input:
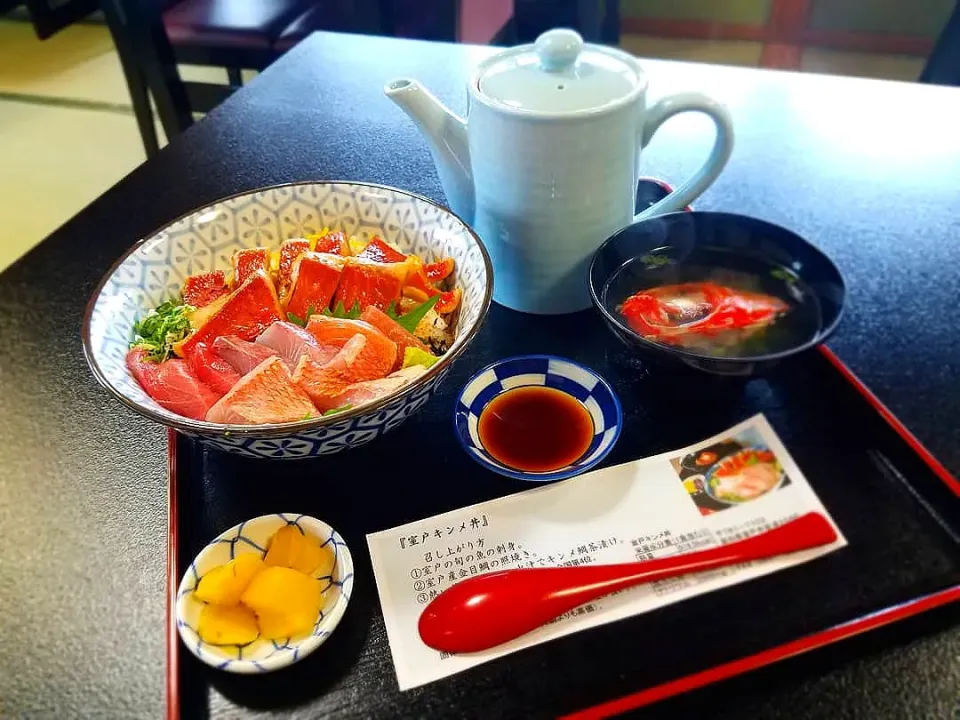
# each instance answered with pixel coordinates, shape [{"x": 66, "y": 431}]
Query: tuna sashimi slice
[
  {"x": 368, "y": 282},
  {"x": 242, "y": 355},
  {"x": 290, "y": 341},
  {"x": 365, "y": 392},
  {"x": 264, "y": 395},
  {"x": 313, "y": 282},
  {"x": 358, "y": 360},
  {"x": 171, "y": 385},
  {"x": 212, "y": 369},
  {"x": 393, "y": 330},
  {"x": 290, "y": 250},
  {"x": 246, "y": 313}
]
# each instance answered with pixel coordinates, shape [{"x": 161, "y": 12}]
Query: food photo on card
[{"x": 744, "y": 483}]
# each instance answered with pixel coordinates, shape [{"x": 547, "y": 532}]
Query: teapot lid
[{"x": 559, "y": 74}]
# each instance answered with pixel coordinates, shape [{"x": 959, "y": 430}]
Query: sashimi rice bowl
[{"x": 293, "y": 321}]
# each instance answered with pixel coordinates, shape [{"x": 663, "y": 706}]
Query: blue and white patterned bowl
[
  {"x": 251, "y": 537},
  {"x": 155, "y": 268},
  {"x": 526, "y": 370}
]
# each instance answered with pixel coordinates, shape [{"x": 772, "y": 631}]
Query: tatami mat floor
[{"x": 67, "y": 131}]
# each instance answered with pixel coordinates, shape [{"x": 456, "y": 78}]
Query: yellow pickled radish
[
  {"x": 286, "y": 602},
  {"x": 227, "y": 625},
  {"x": 290, "y": 547},
  {"x": 225, "y": 584}
]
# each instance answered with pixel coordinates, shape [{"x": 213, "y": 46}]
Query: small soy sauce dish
[
  {"x": 537, "y": 418},
  {"x": 721, "y": 293}
]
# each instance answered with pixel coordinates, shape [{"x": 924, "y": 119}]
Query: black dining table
[{"x": 868, "y": 170}]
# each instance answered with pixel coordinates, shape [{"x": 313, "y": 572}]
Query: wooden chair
[
  {"x": 50, "y": 17},
  {"x": 152, "y": 36}
]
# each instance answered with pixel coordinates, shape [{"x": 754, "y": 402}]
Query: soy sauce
[{"x": 535, "y": 429}]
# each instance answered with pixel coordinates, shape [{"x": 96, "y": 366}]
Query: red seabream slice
[
  {"x": 247, "y": 262},
  {"x": 290, "y": 250},
  {"x": 367, "y": 282},
  {"x": 334, "y": 242},
  {"x": 264, "y": 395},
  {"x": 358, "y": 360},
  {"x": 379, "y": 251},
  {"x": 247, "y": 312},
  {"x": 202, "y": 289},
  {"x": 313, "y": 283}
]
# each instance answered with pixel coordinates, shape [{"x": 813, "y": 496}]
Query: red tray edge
[
  {"x": 650, "y": 695},
  {"x": 173, "y": 647}
]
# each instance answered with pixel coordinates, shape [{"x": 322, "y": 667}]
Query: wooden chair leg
[
  {"x": 142, "y": 110},
  {"x": 136, "y": 84}
]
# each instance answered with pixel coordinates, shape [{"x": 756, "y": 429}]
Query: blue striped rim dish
[
  {"x": 555, "y": 372},
  {"x": 263, "y": 655}
]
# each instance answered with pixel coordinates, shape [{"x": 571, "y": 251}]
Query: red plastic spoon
[{"x": 489, "y": 610}]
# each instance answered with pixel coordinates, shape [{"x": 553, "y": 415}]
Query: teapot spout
[{"x": 446, "y": 133}]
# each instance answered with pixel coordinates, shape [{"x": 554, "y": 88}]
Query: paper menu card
[{"x": 652, "y": 507}]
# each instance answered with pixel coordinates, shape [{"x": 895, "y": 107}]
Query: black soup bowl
[{"x": 728, "y": 251}]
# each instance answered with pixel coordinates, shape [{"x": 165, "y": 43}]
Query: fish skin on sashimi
[
  {"x": 171, "y": 384},
  {"x": 248, "y": 262},
  {"x": 333, "y": 242},
  {"x": 290, "y": 250},
  {"x": 265, "y": 395},
  {"x": 212, "y": 369},
  {"x": 358, "y": 360},
  {"x": 246, "y": 313},
  {"x": 291, "y": 341},
  {"x": 241, "y": 354},
  {"x": 203, "y": 288},
  {"x": 313, "y": 283},
  {"x": 380, "y": 251},
  {"x": 393, "y": 330},
  {"x": 367, "y": 282}
]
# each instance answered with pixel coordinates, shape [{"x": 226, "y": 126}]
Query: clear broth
[{"x": 800, "y": 324}]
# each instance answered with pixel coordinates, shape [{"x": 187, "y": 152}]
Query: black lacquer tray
[{"x": 898, "y": 507}]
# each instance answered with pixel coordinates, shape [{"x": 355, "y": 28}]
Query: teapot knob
[{"x": 558, "y": 49}]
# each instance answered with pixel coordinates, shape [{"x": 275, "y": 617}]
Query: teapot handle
[{"x": 722, "y": 147}]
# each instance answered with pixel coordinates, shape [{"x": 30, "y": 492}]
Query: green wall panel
[
  {"x": 903, "y": 17},
  {"x": 747, "y": 12}
]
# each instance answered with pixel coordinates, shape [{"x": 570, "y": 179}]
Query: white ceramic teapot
[{"x": 545, "y": 167}]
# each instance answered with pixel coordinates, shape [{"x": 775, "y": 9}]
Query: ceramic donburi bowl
[{"x": 155, "y": 268}]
